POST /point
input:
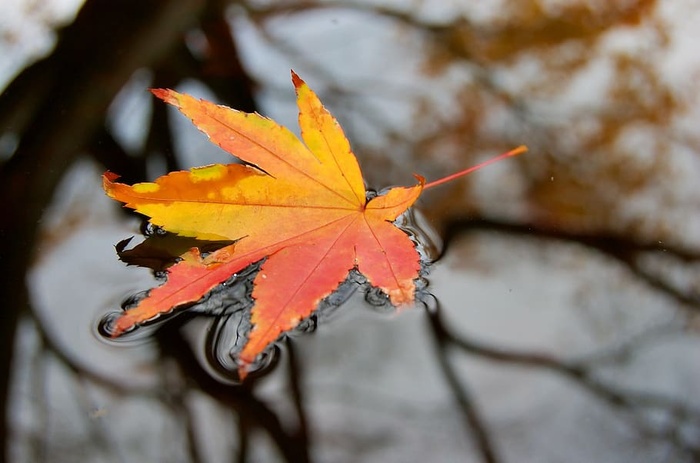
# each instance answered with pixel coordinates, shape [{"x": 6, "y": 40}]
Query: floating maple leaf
[{"x": 300, "y": 206}]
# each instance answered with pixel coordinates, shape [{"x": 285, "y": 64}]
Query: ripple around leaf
[{"x": 424, "y": 236}]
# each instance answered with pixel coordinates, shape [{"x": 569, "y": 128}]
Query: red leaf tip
[
  {"x": 111, "y": 176},
  {"x": 296, "y": 80},
  {"x": 164, "y": 94}
]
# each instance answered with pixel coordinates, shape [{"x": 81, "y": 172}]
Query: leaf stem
[{"x": 514, "y": 152}]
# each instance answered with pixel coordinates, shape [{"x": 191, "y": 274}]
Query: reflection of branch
[
  {"x": 584, "y": 376},
  {"x": 108, "y": 152},
  {"x": 626, "y": 250},
  {"x": 82, "y": 371},
  {"x": 184, "y": 414},
  {"x": 296, "y": 388},
  {"x": 238, "y": 398},
  {"x": 49, "y": 351},
  {"x": 37, "y": 447},
  {"x": 622, "y": 351},
  {"x": 244, "y": 439},
  {"x": 54, "y": 107},
  {"x": 474, "y": 421}
]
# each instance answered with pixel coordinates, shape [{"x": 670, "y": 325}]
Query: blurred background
[{"x": 565, "y": 320}]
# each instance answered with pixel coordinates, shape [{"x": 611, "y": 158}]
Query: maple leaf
[{"x": 302, "y": 207}]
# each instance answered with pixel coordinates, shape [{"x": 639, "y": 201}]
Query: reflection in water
[{"x": 606, "y": 98}]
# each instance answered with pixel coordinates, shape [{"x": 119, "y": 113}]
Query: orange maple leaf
[{"x": 300, "y": 206}]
